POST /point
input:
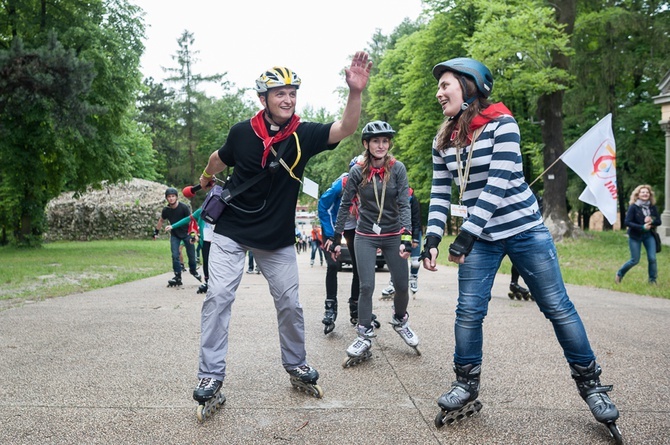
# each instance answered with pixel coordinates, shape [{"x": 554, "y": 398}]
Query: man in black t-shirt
[
  {"x": 173, "y": 212},
  {"x": 262, "y": 218}
]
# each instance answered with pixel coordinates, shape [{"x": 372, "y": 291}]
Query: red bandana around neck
[
  {"x": 261, "y": 130},
  {"x": 376, "y": 171},
  {"x": 487, "y": 115}
]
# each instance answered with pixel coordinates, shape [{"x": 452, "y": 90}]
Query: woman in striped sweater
[{"x": 500, "y": 216}]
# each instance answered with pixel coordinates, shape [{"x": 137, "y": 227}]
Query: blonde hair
[{"x": 636, "y": 193}]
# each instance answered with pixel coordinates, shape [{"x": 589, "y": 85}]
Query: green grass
[
  {"x": 594, "y": 260},
  {"x": 64, "y": 268}
]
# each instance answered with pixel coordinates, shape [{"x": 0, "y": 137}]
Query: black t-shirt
[
  {"x": 177, "y": 214},
  {"x": 263, "y": 216}
]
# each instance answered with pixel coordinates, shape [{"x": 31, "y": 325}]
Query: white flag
[{"x": 593, "y": 158}]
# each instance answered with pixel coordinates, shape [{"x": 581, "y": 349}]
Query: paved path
[{"x": 118, "y": 365}]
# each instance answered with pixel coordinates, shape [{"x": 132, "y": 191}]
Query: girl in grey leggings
[{"x": 384, "y": 222}]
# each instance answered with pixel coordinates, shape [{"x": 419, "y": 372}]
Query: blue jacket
[{"x": 329, "y": 204}]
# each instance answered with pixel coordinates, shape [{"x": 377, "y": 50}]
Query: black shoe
[{"x": 206, "y": 389}]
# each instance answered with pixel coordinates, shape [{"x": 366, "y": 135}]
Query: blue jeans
[
  {"x": 635, "y": 250},
  {"x": 534, "y": 254},
  {"x": 190, "y": 252}
]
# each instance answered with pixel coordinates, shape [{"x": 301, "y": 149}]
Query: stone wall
[{"x": 127, "y": 210}]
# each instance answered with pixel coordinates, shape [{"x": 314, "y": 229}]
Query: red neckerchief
[
  {"x": 258, "y": 123},
  {"x": 376, "y": 171},
  {"x": 487, "y": 115},
  {"x": 484, "y": 117}
]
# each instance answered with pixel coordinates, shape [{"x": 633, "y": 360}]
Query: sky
[{"x": 245, "y": 38}]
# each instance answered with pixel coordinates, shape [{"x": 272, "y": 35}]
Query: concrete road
[{"x": 118, "y": 365}]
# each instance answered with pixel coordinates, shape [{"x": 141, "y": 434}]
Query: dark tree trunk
[{"x": 550, "y": 110}]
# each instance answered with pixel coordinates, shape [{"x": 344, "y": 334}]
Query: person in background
[
  {"x": 315, "y": 243},
  {"x": 415, "y": 263},
  {"x": 173, "y": 212},
  {"x": 641, "y": 219},
  {"x": 262, "y": 219}
]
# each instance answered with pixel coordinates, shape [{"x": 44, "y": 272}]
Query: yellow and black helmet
[{"x": 278, "y": 76}]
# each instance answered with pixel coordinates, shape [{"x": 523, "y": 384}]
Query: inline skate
[
  {"x": 196, "y": 275},
  {"x": 329, "y": 316},
  {"x": 176, "y": 281},
  {"x": 388, "y": 292},
  {"x": 209, "y": 397},
  {"x": 519, "y": 292},
  {"x": 203, "y": 288},
  {"x": 359, "y": 351},
  {"x": 414, "y": 284},
  {"x": 405, "y": 332},
  {"x": 353, "y": 315},
  {"x": 595, "y": 395},
  {"x": 461, "y": 400},
  {"x": 303, "y": 378}
]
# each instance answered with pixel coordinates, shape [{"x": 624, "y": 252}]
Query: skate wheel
[
  {"x": 510, "y": 295},
  {"x": 317, "y": 391},
  {"x": 199, "y": 413},
  {"x": 440, "y": 419},
  {"x": 526, "y": 297},
  {"x": 615, "y": 432},
  {"x": 416, "y": 349}
]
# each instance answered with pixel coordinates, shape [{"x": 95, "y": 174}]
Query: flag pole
[{"x": 547, "y": 169}]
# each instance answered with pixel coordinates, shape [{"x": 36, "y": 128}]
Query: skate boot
[
  {"x": 359, "y": 351},
  {"x": 329, "y": 316},
  {"x": 414, "y": 284},
  {"x": 595, "y": 395},
  {"x": 405, "y": 332},
  {"x": 196, "y": 275},
  {"x": 203, "y": 288},
  {"x": 209, "y": 397},
  {"x": 461, "y": 400},
  {"x": 388, "y": 292},
  {"x": 353, "y": 312},
  {"x": 303, "y": 378},
  {"x": 519, "y": 292},
  {"x": 175, "y": 282}
]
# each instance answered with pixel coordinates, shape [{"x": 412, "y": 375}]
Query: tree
[
  {"x": 189, "y": 96},
  {"x": 42, "y": 113},
  {"x": 81, "y": 81}
]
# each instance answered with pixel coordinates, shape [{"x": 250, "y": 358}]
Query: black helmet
[
  {"x": 171, "y": 191},
  {"x": 376, "y": 128},
  {"x": 472, "y": 68}
]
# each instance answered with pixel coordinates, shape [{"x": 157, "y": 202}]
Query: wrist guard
[
  {"x": 463, "y": 244},
  {"x": 431, "y": 242},
  {"x": 406, "y": 240},
  {"x": 335, "y": 241}
]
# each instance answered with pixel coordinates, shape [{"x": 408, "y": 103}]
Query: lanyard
[
  {"x": 379, "y": 204},
  {"x": 297, "y": 159},
  {"x": 463, "y": 175}
]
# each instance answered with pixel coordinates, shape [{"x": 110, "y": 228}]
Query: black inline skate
[
  {"x": 595, "y": 395},
  {"x": 519, "y": 292},
  {"x": 203, "y": 288},
  {"x": 196, "y": 275},
  {"x": 176, "y": 281},
  {"x": 329, "y": 316},
  {"x": 304, "y": 378},
  {"x": 209, "y": 397},
  {"x": 461, "y": 400},
  {"x": 353, "y": 315}
]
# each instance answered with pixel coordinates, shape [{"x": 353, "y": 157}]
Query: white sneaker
[
  {"x": 362, "y": 343},
  {"x": 405, "y": 332}
]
